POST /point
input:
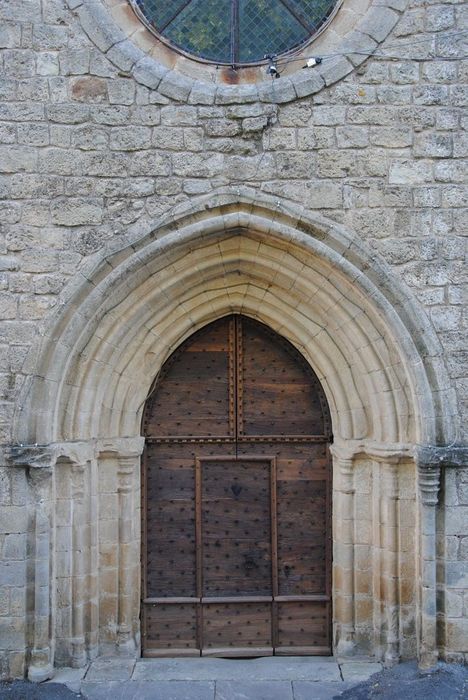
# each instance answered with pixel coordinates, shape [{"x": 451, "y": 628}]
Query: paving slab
[
  {"x": 269, "y": 668},
  {"x": 108, "y": 668},
  {"x": 71, "y": 677},
  {"x": 254, "y": 690},
  {"x": 147, "y": 690},
  {"x": 359, "y": 670},
  {"x": 315, "y": 690}
]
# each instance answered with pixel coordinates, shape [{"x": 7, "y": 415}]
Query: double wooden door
[{"x": 236, "y": 499}]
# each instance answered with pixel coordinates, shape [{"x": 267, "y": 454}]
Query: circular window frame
[
  {"x": 241, "y": 65},
  {"x": 353, "y": 34}
]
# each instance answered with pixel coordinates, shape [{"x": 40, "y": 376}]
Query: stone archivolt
[
  {"x": 244, "y": 252},
  {"x": 237, "y": 251}
]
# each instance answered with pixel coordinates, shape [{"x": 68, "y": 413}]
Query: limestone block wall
[
  {"x": 14, "y": 519},
  {"x": 96, "y": 147},
  {"x": 452, "y": 564}
]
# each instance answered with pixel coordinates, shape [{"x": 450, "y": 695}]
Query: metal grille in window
[{"x": 235, "y": 31}]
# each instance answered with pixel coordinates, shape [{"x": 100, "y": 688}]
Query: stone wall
[
  {"x": 452, "y": 564},
  {"x": 91, "y": 148}
]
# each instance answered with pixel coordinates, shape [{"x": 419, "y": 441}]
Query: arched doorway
[
  {"x": 376, "y": 354},
  {"x": 236, "y": 499}
]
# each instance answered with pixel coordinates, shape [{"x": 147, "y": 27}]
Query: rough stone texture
[{"x": 97, "y": 146}]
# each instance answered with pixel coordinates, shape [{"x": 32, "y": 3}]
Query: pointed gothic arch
[{"x": 316, "y": 284}]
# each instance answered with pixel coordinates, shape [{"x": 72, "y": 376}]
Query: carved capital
[
  {"x": 343, "y": 455},
  {"x": 390, "y": 479},
  {"x": 387, "y": 453},
  {"x": 36, "y": 457},
  {"x": 38, "y": 461},
  {"x": 429, "y": 483},
  {"x": 125, "y": 473},
  {"x": 121, "y": 447},
  {"x": 77, "y": 451},
  {"x": 77, "y": 481}
]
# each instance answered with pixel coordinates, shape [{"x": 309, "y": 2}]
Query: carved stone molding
[
  {"x": 44, "y": 457},
  {"x": 390, "y": 453},
  {"x": 441, "y": 456}
]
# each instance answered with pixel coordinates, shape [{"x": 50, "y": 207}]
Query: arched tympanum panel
[{"x": 236, "y": 488}]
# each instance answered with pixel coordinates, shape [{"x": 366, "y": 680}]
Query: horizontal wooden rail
[{"x": 213, "y": 600}]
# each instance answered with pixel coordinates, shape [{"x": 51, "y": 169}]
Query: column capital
[
  {"x": 121, "y": 448},
  {"x": 343, "y": 453},
  {"x": 77, "y": 479},
  {"x": 125, "y": 472},
  {"x": 40, "y": 457},
  {"x": 429, "y": 484}
]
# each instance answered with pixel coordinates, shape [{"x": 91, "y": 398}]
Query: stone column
[
  {"x": 344, "y": 549},
  {"x": 127, "y": 552},
  {"x": 79, "y": 564},
  {"x": 93, "y": 572},
  {"x": 389, "y": 561},
  {"x": 41, "y": 666},
  {"x": 377, "y": 607},
  {"x": 39, "y": 462},
  {"x": 125, "y": 453},
  {"x": 386, "y": 460},
  {"x": 428, "y": 483}
]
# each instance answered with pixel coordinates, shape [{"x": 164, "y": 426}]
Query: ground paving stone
[
  {"x": 110, "y": 669},
  {"x": 144, "y": 690},
  {"x": 71, "y": 677},
  {"x": 402, "y": 682},
  {"x": 254, "y": 690},
  {"x": 266, "y": 668}
]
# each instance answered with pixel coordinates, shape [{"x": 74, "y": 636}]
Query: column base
[
  {"x": 79, "y": 657},
  {"x": 428, "y": 660},
  {"x": 126, "y": 647},
  {"x": 345, "y": 647},
  {"x": 391, "y": 658},
  {"x": 38, "y": 674}
]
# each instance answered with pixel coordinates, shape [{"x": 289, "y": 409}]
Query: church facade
[{"x": 232, "y": 328}]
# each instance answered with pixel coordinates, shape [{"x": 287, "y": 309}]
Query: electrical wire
[{"x": 377, "y": 53}]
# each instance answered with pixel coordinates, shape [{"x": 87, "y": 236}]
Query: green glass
[{"x": 236, "y": 31}]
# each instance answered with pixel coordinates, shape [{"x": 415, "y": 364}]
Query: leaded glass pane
[
  {"x": 235, "y": 31},
  {"x": 266, "y": 27},
  {"x": 203, "y": 28},
  {"x": 160, "y": 13},
  {"x": 314, "y": 12}
]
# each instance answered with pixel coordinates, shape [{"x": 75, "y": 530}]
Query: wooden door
[{"x": 236, "y": 499}]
